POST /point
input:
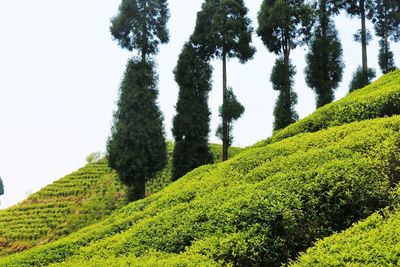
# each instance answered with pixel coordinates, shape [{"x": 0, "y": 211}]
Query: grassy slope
[
  {"x": 379, "y": 99},
  {"x": 263, "y": 206},
  {"x": 71, "y": 203},
  {"x": 372, "y": 242}
]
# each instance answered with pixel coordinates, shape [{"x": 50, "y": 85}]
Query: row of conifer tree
[{"x": 136, "y": 148}]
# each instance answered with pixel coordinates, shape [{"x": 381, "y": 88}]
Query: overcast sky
[{"x": 59, "y": 76}]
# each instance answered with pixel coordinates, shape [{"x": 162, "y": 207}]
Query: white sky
[{"x": 59, "y": 78}]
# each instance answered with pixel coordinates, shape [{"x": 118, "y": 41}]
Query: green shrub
[
  {"x": 262, "y": 207},
  {"x": 372, "y": 242},
  {"x": 380, "y": 99}
]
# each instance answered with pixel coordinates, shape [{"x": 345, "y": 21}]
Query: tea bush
[{"x": 261, "y": 208}]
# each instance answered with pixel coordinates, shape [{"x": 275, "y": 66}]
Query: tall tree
[
  {"x": 386, "y": 21},
  {"x": 325, "y": 65},
  {"x": 191, "y": 124},
  {"x": 231, "y": 110},
  {"x": 141, "y": 25},
  {"x": 136, "y": 148},
  {"x": 223, "y": 31},
  {"x": 363, "y": 9},
  {"x": 282, "y": 81},
  {"x": 283, "y": 25}
]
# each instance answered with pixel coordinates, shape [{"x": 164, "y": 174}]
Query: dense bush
[
  {"x": 380, "y": 99},
  {"x": 262, "y": 207},
  {"x": 373, "y": 242},
  {"x": 73, "y": 202}
]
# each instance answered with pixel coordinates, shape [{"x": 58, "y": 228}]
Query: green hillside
[
  {"x": 71, "y": 203},
  {"x": 379, "y": 99},
  {"x": 269, "y": 203},
  {"x": 373, "y": 242}
]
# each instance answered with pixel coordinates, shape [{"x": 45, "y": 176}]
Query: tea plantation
[
  {"x": 337, "y": 169},
  {"x": 71, "y": 203}
]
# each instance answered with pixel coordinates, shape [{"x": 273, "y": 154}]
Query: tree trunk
[
  {"x": 363, "y": 37},
  {"x": 137, "y": 191},
  {"x": 224, "y": 120}
]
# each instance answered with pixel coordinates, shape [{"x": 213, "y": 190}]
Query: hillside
[
  {"x": 71, "y": 203},
  {"x": 373, "y": 242},
  {"x": 262, "y": 207}
]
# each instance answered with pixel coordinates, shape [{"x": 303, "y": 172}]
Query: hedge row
[
  {"x": 262, "y": 207},
  {"x": 73, "y": 202},
  {"x": 373, "y": 242}
]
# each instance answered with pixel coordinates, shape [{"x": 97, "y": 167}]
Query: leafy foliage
[
  {"x": 325, "y": 65},
  {"x": 223, "y": 30},
  {"x": 387, "y": 27},
  {"x": 261, "y": 207},
  {"x": 385, "y": 57},
  {"x": 231, "y": 110},
  {"x": 191, "y": 124},
  {"x": 282, "y": 26},
  {"x": 372, "y": 242},
  {"x": 53, "y": 211},
  {"x": 382, "y": 98},
  {"x": 361, "y": 78},
  {"x": 79, "y": 199},
  {"x": 136, "y": 148},
  {"x": 284, "y": 111},
  {"x": 141, "y": 25},
  {"x": 362, "y": 9}
]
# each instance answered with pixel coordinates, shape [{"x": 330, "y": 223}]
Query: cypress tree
[
  {"x": 282, "y": 26},
  {"x": 282, "y": 81},
  {"x": 191, "y": 124},
  {"x": 324, "y": 70},
  {"x": 223, "y": 31},
  {"x": 387, "y": 26},
  {"x": 136, "y": 148}
]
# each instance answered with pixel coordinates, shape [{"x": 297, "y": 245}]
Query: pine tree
[
  {"x": 282, "y": 81},
  {"x": 386, "y": 21},
  {"x": 136, "y": 148},
  {"x": 282, "y": 26},
  {"x": 141, "y": 25},
  {"x": 223, "y": 31},
  {"x": 191, "y": 124},
  {"x": 325, "y": 65}
]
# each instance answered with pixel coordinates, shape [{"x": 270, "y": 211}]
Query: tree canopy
[
  {"x": 386, "y": 21},
  {"x": 223, "y": 30},
  {"x": 191, "y": 124},
  {"x": 324, "y": 60},
  {"x": 136, "y": 148},
  {"x": 141, "y": 25}
]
